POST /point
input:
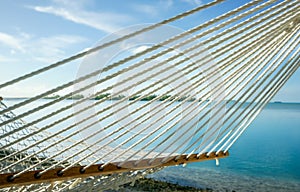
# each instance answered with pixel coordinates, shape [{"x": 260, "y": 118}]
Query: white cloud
[
  {"x": 155, "y": 9},
  {"x": 44, "y": 49},
  {"x": 11, "y": 41},
  {"x": 39, "y": 51},
  {"x": 24, "y": 90},
  {"x": 167, "y": 3},
  {"x": 12, "y": 52},
  {"x": 146, "y": 9},
  {"x": 193, "y": 2},
  {"x": 53, "y": 48},
  {"x": 5, "y": 59},
  {"x": 140, "y": 49},
  {"x": 105, "y": 21}
]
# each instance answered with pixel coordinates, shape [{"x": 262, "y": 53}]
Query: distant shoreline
[{"x": 50, "y": 98}]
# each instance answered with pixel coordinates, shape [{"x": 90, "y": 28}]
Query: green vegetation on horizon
[
  {"x": 75, "y": 97},
  {"x": 52, "y": 97},
  {"x": 108, "y": 96},
  {"x": 145, "y": 98}
]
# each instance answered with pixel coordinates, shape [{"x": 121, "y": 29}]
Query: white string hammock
[{"x": 186, "y": 98}]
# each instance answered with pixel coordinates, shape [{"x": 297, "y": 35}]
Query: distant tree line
[{"x": 108, "y": 96}]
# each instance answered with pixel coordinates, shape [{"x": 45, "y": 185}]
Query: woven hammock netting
[{"x": 184, "y": 96}]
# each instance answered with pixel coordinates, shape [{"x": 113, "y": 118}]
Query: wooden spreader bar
[{"x": 32, "y": 177}]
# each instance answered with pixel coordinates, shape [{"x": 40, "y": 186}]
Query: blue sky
[{"x": 34, "y": 34}]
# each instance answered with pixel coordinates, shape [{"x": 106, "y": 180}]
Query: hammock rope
[{"x": 184, "y": 99}]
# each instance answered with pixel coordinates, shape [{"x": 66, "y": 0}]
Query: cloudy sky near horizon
[{"x": 34, "y": 34}]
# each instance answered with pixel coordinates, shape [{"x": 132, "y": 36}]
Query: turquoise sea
[{"x": 265, "y": 158}]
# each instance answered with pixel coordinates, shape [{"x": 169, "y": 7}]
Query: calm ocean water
[{"x": 265, "y": 158}]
